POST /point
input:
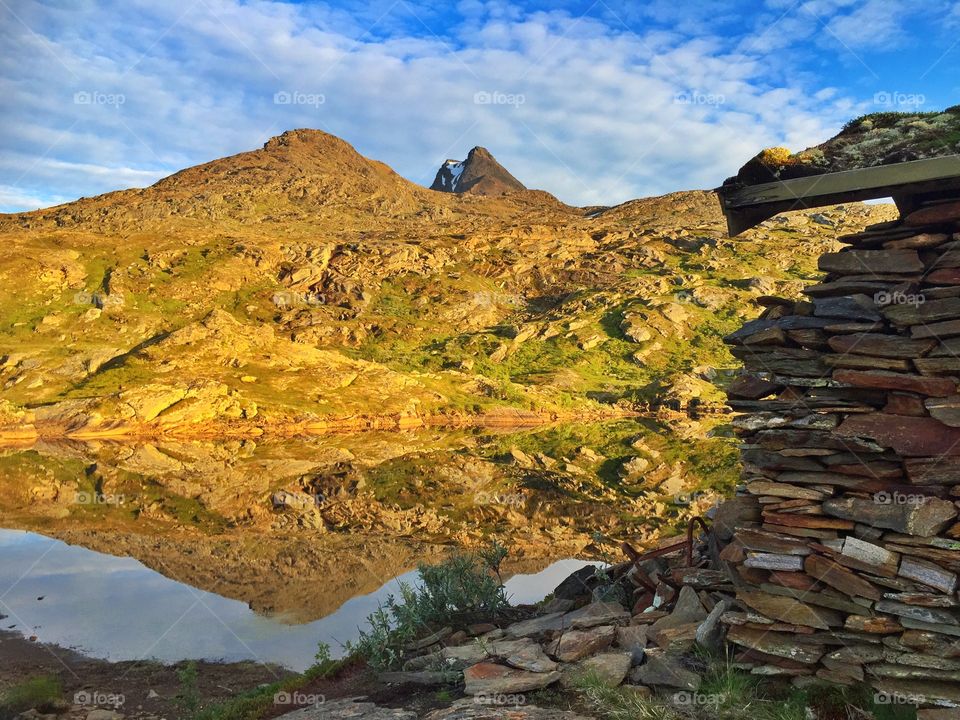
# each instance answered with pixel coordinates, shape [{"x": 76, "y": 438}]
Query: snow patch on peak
[{"x": 451, "y": 178}]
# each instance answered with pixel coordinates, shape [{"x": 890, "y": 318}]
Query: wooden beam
[{"x": 747, "y": 206}]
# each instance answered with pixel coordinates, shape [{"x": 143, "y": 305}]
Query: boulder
[{"x": 578, "y": 584}]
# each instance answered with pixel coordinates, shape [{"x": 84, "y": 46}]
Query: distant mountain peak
[{"x": 479, "y": 174}]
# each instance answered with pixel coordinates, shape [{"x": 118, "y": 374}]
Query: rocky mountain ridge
[
  {"x": 302, "y": 283},
  {"x": 479, "y": 174}
]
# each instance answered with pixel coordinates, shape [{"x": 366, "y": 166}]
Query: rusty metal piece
[
  {"x": 695, "y": 520},
  {"x": 636, "y": 558},
  {"x": 643, "y": 579}
]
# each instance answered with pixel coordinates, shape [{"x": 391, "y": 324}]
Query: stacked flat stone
[{"x": 847, "y": 540}]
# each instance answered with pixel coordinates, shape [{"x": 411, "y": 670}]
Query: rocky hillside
[
  {"x": 479, "y": 174},
  {"x": 302, "y": 284}
]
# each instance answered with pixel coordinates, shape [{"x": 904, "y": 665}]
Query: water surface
[{"x": 118, "y": 609}]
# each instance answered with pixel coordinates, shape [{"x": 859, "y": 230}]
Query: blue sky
[{"x": 597, "y": 102}]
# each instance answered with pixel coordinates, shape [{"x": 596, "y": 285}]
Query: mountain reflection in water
[{"x": 118, "y": 609}]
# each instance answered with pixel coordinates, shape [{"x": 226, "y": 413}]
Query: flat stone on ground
[
  {"x": 491, "y": 709},
  {"x": 666, "y": 671},
  {"x": 575, "y": 645},
  {"x": 633, "y": 639},
  {"x": 597, "y": 613},
  {"x": 349, "y": 710},
  {"x": 536, "y": 626},
  {"x": 491, "y": 679},
  {"x": 463, "y": 655},
  {"x": 524, "y": 654},
  {"x": 609, "y": 669}
]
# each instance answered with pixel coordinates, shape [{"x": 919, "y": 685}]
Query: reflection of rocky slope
[
  {"x": 271, "y": 522},
  {"x": 303, "y": 282}
]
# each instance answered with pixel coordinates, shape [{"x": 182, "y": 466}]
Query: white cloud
[
  {"x": 177, "y": 83},
  {"x": 14, "y": 199},
  {"x": 874, "y": 23},
  {"x": 953, "y": 19}
]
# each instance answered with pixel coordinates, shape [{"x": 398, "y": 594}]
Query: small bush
[
  {"x": 42, "y": 692},
  {"x": 775, "y": 157},
  {"x": 188, "y": 697},
  {"x": 463, "y": 584}
]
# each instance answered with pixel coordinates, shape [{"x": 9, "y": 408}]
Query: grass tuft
[{"x": 43, "y": 693}]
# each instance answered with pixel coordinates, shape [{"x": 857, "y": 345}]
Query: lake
[
  {"x": 244, "y": 549},
  {"x": 116, "y": 608}
]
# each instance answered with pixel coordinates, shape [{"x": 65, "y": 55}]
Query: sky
[{"x": 597, "y": 102}]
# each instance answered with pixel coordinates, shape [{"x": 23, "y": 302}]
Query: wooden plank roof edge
[{"x": 748, "y": 206}]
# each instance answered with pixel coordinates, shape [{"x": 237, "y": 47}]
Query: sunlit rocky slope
[{"x": 303, "y": 284}]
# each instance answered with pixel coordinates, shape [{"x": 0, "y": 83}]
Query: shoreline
[{"x": 27, "y": 434}]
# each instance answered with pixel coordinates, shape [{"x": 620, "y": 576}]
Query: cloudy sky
[{"x": 597, "y": 102}]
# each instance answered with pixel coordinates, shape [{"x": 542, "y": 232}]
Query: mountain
[
  {"x": 302, "y": 285},
  {"x": 479, "y": 174},
  {"x": 299, "y": 175},
  {"x": 223, "y": 317}
]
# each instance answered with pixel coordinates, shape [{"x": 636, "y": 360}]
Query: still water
[{"x": 116, "y": 608}]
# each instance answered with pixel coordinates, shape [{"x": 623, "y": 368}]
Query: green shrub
[
  {"x": 464, "y": 584},
  {"x": 188, "y": 697}
]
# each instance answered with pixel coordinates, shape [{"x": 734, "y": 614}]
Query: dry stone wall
[{"x": 848, "y": 545}]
